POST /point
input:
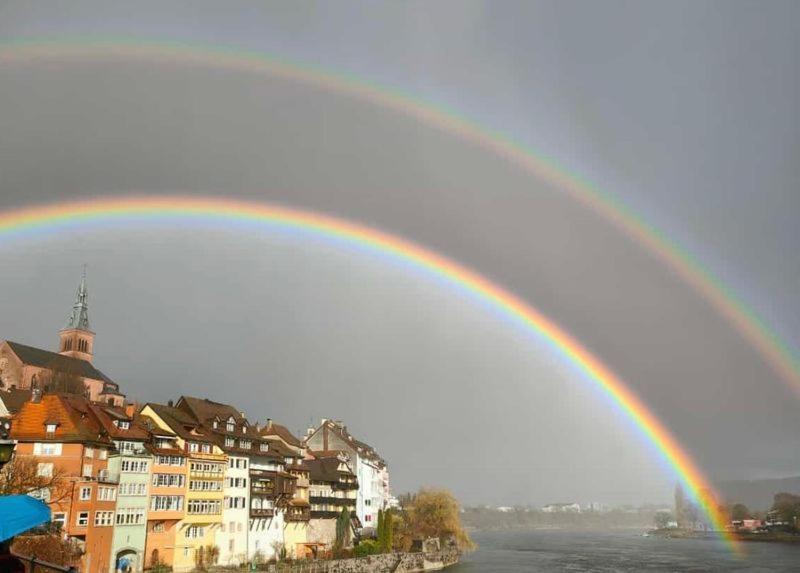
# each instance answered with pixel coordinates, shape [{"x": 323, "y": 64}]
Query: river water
[{"x": 558, "y": 550}]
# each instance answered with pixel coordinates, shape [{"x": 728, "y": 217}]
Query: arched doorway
[{"x": 127, "y": 561}]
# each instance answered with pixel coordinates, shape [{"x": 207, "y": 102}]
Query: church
[{"x": 26, "y": 367}]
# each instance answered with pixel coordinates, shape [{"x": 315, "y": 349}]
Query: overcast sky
[{"x": 686, "y": 112}]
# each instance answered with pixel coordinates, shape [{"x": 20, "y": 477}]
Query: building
[
  {"x": 298, "y": 511},
  {"x": 333, "y": 487},
  {"x": 238, "y": 439},
  {"x": 10, "y": 403},
  {"x": 167, "y": 498},
  {"x": 371, "y": 470},
  {"x": 562, "y": 508},
  {"x": 65, "y": 437},
  {"x": 70, "y": 369},
  {"x": 195, "y": 533},
  {"x": 130, "y": 463}
]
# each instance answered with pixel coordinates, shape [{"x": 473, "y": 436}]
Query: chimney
[
  {"x": 170, "y": 403},
  {"x": 269, "y": 423},
  {"x": 243, "y": 415}
]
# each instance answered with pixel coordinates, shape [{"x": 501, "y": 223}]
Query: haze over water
[{"x": 617, "y": 551}]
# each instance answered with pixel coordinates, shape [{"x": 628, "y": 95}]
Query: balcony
[
  {"x": 295, "y": 515},
  {"x": 337, "y": 501},
  {"x": 324, "y": 514},
  {"x": 263, "y": 512}
]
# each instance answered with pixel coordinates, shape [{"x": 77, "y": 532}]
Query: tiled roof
[
  {"x": 75, "y": 421},
  {"x": 182, "y": 423},
  {"x": 273, "y": 429},
  {"x": 364, "y": 450},
  {"x": 58, "y": 362},
  {"x": 14, "y": 398},
  {"x": 325, "y": 469},
  {"x": 204, "y": 412},
  {"x": 108, "y": 414}
]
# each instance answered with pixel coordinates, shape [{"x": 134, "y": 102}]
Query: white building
[{"x": 371, "y": 470}]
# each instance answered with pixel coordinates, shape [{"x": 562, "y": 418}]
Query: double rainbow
[
  {"x": 229, "y": 212},
  {"x": 774, "y": 351}
]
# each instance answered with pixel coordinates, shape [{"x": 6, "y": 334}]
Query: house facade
[{"x": 371, "y": 470}]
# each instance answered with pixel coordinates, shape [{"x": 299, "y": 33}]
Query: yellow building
[{"x": 195, "y": 543}]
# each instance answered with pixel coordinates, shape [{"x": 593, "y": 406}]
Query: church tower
[{"x": 76, "y": 338}]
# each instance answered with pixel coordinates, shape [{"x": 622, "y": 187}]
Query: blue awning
[{"x": 19, "y": 513}]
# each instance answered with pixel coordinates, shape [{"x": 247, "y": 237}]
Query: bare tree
[{"x": 22, "y": 476}]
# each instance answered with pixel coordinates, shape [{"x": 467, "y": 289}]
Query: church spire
[
  {"x": 79, "y": 317},
  {"x": 77, "y": 340}
]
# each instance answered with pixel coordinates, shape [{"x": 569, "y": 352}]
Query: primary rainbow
[
  {"x": 774, "y": 351},
  {"x": 66, "y": 215}
]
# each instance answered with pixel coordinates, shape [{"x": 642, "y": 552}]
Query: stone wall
[{"x": 388, "y": 563}]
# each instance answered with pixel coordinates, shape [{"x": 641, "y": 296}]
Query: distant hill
[{"x": 757, "y": 494}]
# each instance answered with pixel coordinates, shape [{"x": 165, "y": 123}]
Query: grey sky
[{"x": 687, "y": 112}]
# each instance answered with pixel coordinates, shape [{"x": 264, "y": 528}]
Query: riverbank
[
  {"x": 767, "y": 536},
  {"x": 384, "y": 563}
]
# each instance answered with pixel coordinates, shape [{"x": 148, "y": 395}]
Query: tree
[
  {"x": 342, "y": 531},
  {"x": 380, "y": 529},
  {"x": 739, "y": 512},
  {"x": 21, "y": 476},
  {"x": 388, "y": 530},
  {"x": 786, "y": 507},
  {"x": 434, "y": 513},
  {"x": 662, "y": 519},
  {"x": 61, "y": 378},
  {"x": 50, "y": 547}
]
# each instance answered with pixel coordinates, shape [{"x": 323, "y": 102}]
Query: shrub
[{"x": 368, "y": 547}]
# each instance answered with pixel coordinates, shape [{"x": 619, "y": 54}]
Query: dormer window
[
  {"x": 216, "y": 424},
  {"x": 245, "y": 444},
  {"x": 264, "y": 447},
  {"x": 122, "y": 424},
  {"x": 229, "y": 442},
  {"x": 206, "y": 448},
  {"x": 244, "y": 429},
  {"x": 50, "y": 428}
]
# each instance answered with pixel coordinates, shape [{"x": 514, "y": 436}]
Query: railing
[
  {"x": 268, "y": 512},
  {"x": 332, "y": 500},
  {"x": 303, "y": 515},
  {"x": 32, "y": 563},
  {"x": 324, "y": 514}
]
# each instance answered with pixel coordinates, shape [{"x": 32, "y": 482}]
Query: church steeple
[{"x": 77, "y": 339}]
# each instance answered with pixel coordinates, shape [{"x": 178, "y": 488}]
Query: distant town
[{"x": 182, "y": 485}]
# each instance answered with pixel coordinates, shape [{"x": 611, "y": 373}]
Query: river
[{"x": 575, "y": 551}]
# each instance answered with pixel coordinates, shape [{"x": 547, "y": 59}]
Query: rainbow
[
  {"x": 774, "y": 351},
  {"x": 66, "y": 215}
]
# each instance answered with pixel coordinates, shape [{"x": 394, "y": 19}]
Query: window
[
  {"x": 171, "y": 460},
  {"x": 204, "y": 506},
  {"x": 44, "y": 470},
  {"x": 86, "y": 493},
  {"x": 42, "y": 494},
  {"x": 204, "y": 485},
  {"x": 206, "y": 448},
  {"x": 168, "y": 480},
  {"x": 130, "y": 516},
  {"x": 83, "y": 519},
  {"x": 88, "y": 452},
  {"x": 59, "y": 519},
  {"x": 245, "y": 444},
  {"x": 264, "y": 447},
  {"x": 166, "y": 503},
  {"x": 230, "y": 426},
  {"x": 50, "y": 428},
  {"x": 106, "y": 494},
  {"x": 87, "y": 470},
  {"x": 158, "y": 527},
  {"x": 103, "y": 454},
  {"x": 134, "y": 466},
  {"x": 194, "y": 447},
  {"x": 46, "y": 449},
  {"x": 216, "y": 424},
  {"x": 129, "y": 447},
  {"x": 103, "y": 518},
  {"x": 124, "y": 425},
  {"x": 229, "y": 442},
  {"x": 195, "y": 532}
]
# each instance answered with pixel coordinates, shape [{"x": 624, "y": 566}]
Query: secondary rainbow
[
  {"x": 55, "y": 216},
  {"x": 774, "y": 351}
]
